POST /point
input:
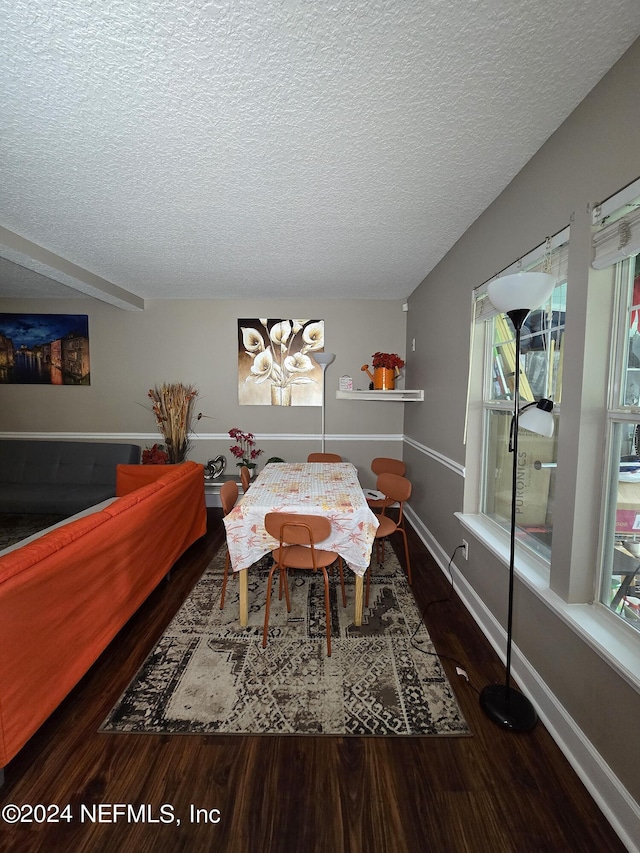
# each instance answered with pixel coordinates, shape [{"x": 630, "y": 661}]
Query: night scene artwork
[{"x": 44, "y": 349}]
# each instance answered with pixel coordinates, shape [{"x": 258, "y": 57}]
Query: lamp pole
[
  {"x": 324, "y": 359},
  {"x": 501, "y": 702},
  {"x": 508, "y": 294}
]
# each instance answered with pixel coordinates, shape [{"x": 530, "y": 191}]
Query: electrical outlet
[{"x": 465, "y": 549}]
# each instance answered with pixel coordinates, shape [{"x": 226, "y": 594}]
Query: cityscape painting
[{"x": 44, "y": 349}]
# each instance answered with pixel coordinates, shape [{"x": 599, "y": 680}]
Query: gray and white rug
[{"x": 208, "y": 675}]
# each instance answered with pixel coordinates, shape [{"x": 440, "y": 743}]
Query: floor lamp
[
  {"x": 516, "y": 296},
  {"x": 324, "y": 359}
]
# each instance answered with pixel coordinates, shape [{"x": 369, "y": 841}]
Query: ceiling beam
[{"x": 30, "y": 255}]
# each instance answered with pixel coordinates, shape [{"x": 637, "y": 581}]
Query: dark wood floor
[{"x": 491, "y": 792}]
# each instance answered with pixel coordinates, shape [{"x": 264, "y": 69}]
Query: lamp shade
[
  {"x": 324, "y": 358},
  {"x": 538, "y": 418},
  {"x": 520, "y": 290}
]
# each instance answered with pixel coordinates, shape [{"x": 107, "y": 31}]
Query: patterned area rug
[
  {"x": 14, "y": 527},
  {"x": 208, "y": 675}
]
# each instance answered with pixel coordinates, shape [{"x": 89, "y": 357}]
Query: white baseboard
[{"x": 613, "y": 799}]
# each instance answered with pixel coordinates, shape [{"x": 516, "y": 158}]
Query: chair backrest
[
  {"x": 385, "y": 465},
  {"x": 324, "y": 457},
  {"x": 395, "y": 487},
  {"x": 291, "y": 528},
  {"x": 245, "y": 477},
  {"x": 228, "y": 496}
]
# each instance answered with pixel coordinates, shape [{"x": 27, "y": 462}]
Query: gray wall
[
  {"x": 592, "y": 155},
  {"x": 196, "y": 342}
]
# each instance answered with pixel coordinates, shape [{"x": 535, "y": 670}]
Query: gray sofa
[{"x": 59, "y": 477}]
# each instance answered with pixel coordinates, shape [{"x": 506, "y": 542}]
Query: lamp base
[{"x": 508, "y": 708}]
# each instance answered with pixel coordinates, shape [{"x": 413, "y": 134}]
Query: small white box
[{"x": 346, "y": 383}]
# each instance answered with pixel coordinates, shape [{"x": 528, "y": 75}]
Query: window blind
[
  {"x": 617, "y": 235},
  {"x": 532, "y": 262}
]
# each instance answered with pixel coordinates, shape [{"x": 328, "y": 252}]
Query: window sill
[
  {"x": 616, "y": 643},
  {"x": 528, "y": 566}
]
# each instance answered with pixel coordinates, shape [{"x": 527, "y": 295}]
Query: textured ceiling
[{"x": 240, "y": 148}]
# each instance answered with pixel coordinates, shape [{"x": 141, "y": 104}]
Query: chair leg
[
  {"x": 327, "y": 610},
  {"x": 341, "y": 573},
  {"x": 224, "y": 579},
  {"x": 284, "y": 579},
  {"x": 406, "y": 553},
  {"x": 267, "y": 607}
]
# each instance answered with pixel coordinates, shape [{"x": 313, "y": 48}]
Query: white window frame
[
  {"x": 617, "y": 413},
  {"x": 484, "y": 313},
  {"x": 606, "y": 634}
]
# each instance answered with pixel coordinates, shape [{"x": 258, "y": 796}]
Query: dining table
[{"x": 329, "y": 489}]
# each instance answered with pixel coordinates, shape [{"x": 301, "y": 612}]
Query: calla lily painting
[{"x": 275, "y": 362}]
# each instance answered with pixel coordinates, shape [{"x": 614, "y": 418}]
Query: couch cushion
[
  {"x": 63, "y": 462},
  {"x": 55, "y": 540},
  {"x": 32, "y": 538},
  {"x": 51, "y": 498},
  {"x": 131, "y": 477},
  {"x": 131, "y": 499}
]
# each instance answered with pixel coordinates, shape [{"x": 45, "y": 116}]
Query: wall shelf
[{"x": 398, "y": 395}]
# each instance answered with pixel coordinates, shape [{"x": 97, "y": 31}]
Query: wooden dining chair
[
  {"x": 228, "y": 498},
  {"x": 298, "y": 536},
  {"x": 245, "y": 478},
  {"x": 384, "y": 465},
  {"x": 397, "y": 489},
  {"x": 324, "y": 457}
]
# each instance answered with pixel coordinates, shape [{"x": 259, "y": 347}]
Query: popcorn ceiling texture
[{"x": 193, "y": 149}]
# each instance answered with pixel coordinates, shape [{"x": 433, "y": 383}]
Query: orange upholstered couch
[{"x": 64, "y": 596}]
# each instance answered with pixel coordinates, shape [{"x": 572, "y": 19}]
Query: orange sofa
[{"x": 64, "y": 596}]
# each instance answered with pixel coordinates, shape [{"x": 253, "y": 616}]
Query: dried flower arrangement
[
  {"x": 244, "y": 449},
  {"x": 173, "y": 409}
]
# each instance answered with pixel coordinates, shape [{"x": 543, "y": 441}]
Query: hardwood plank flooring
[{"x": 493, "y": 792}]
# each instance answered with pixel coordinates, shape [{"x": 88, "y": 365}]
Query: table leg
[
  {"x": 359, "y": 598},
  {"x": 243, "y": 581}
]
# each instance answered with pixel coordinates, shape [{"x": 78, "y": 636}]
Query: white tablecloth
[{"x": 313, "y": 488}]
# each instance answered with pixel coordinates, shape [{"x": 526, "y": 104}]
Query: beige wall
[
  {"x": 195, "y": 342},
  {"x": 593, "y": 154}
]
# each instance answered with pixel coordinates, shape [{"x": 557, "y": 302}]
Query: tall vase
[
  {"x": 280, "y": 396},
  {"x": 384, "y": 379}
]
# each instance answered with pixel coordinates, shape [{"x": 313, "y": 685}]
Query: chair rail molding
[
  {"x": 211, "y": 436},
  {"x": 434, "y": 454}
]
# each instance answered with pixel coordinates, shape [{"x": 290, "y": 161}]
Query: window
[
  {"x": 540, "y": 376},
  {"x": 620, "y": 581}
]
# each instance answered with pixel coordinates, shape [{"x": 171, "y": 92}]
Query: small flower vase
[
  {"x": 280, "y": 396},
  {"x": 250, "y": 466},
  {"x": 384, "y": 379}
]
